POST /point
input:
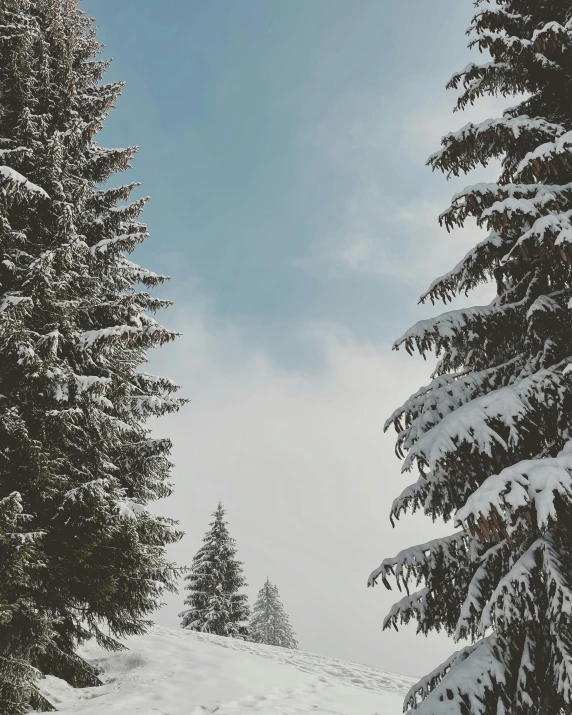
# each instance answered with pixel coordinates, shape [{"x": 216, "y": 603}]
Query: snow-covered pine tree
[
  {"x": 80, "y": 554},
  {"x": 491, "y": 434},
  {"x": 269, "y": 622},
  {"x": 214, "y": 582}
]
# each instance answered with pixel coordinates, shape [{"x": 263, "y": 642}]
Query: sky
[{"x": 283, "y": 145}]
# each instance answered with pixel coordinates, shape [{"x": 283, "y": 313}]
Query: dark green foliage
[{"x": 81, "y": 556}]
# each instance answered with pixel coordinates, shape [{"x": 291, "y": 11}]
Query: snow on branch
[
  {"x": 463, "y": 683},
  {"x": 417, "y": 400},
  {"x": 146, "y": 405},
  {"x": 11, "y": 182},
  {"x": 471, "y": 69},
  {"x": 563, "y": 665},
  {"x": 92, "y": 385},
  {"x": 475, "y": 267},
  {"x": 502, "y": 41},
  {"x": 127, "y": 509},
  {"x": 138, "y": 274},
  {"x": 98, "y": 489},
  {"x": 515, "y": 125},
  {"x": 11, "y": 303},
  {"x": 513, "y": 599},
  {"x": 478, "y": 143},
  {"x": 126, "y": 241},
  {"x": 547, "y": 159},
  {"x": 530, "y": 485},
  {"x": 148, "y": 380},
  {"x": 103, "y": 162},
  {"x": 553, "y": 229},
  {"x": 556, "y": 583},
  {"x": 545, "y": 305},
  {"x": 537, "y": 576},
  {"x": 444, "y": 395},
  {"x": 510, "y": 208},
  {"x": 479, "y": 590},
  {"x": 498, "y": 204},
  {"x": 125, "y": 333},
  {"x": 412, "y": 605},
  {"x": 430, "y": 332},
  {"x": 103, "y": 199},
  {"x": 472, "y": 422},
  {"x": 551, "y": 33},
  {"x": 426, "y": 493},
  {"x": 419, "y": 561},
  {"x": 478, "y": 80}
]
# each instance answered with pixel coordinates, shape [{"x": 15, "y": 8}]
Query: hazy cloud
[
  {"x": 376, "y": 228},
  {"x": 301, "y": 463}
]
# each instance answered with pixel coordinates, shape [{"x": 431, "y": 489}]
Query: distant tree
[
  {"x": 80, "y": 554},
  {"x": 491, "y": 435},
  {"x": 269, "y": 623},
  {"x": 214, "y": 582}
]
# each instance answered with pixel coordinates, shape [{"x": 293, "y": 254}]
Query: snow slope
[{"x": 177, "y": 672}]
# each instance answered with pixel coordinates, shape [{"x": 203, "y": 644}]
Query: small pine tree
[
  {"x": 80, "y": 554},
  {"x": 269, "y": 623},
  {"x": 491, "y": 435},
  {"x": 214, "y": 583}
]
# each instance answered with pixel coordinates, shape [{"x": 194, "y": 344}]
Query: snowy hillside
[{"x": 176, "y": 672}]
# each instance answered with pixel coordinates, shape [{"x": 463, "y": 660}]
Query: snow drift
[{"x": 177, "y": 672}]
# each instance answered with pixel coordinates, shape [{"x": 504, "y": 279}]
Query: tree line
[{"x": 216, "y": 604}]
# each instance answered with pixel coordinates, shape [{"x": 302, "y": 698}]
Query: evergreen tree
[
  {"x": 214, "y": 582},
  {"x": 80, "y": 554},
  {"x": 491, "y": 434},
  {"x": 269, "y": 623}
]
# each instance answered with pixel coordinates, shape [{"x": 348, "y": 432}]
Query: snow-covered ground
[{"x": 176, "y": 672}]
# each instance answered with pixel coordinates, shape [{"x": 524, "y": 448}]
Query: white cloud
[
  {"x": 300, "y": 461},
  {"x": 375, "y": 229},
  {"x": 399, "y": 240},
  {"x": 424, "y": 123}
]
